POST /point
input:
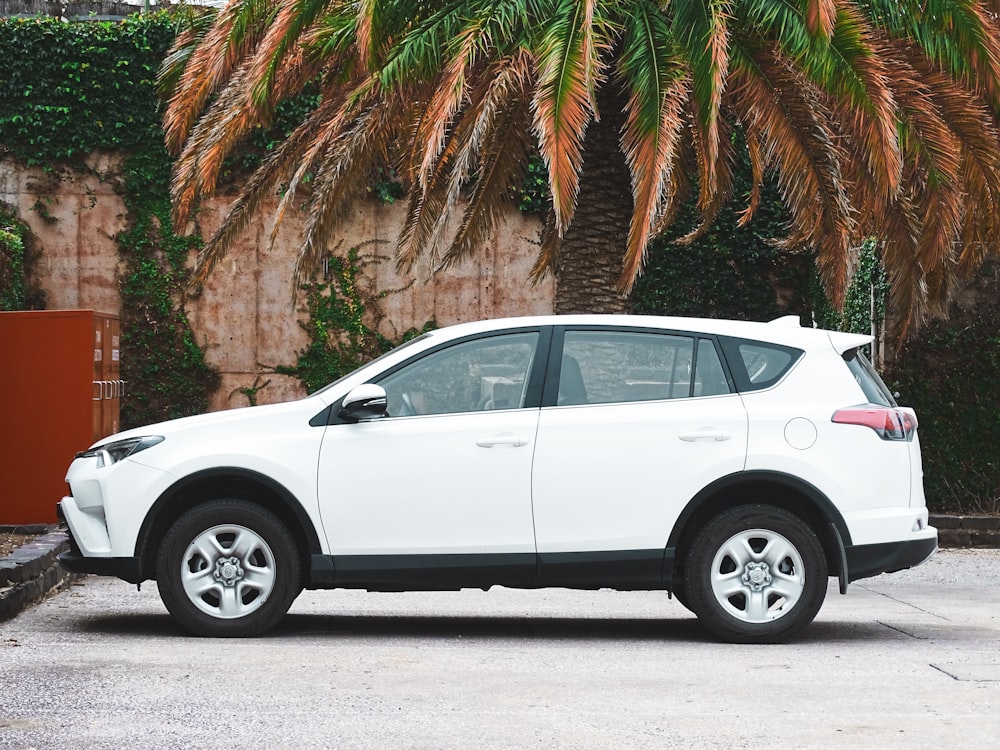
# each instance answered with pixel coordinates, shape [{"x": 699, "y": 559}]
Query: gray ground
[{"x": 904, "y": 661}]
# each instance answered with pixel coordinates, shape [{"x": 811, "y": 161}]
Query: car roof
[{"x": 786, "y": 330}]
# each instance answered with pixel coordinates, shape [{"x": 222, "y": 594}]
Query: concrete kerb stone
[
  {"x": 32, "y": 571},
  {"x": 967, "y": 531}
]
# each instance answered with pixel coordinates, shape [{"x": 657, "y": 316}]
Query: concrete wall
[{"x": 245, "y": 318}]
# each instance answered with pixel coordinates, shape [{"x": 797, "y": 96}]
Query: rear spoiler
[{"x": 840, "y": 340}]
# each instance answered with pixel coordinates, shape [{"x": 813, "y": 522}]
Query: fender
[
  {"x": 827, "y": 521},
  {"x": 173, "y": 502}
]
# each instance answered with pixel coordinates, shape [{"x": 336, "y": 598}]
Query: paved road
[{"x": 904, "y": 661}]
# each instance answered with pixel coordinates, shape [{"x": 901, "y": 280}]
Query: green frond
[
  {"x": 701, "y": 28},
  {"x": 562, "y": 104}
]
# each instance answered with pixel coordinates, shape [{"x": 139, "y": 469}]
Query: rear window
[
  {"x": 875, "y": 390},
  {"x": 756, "y": 364}
]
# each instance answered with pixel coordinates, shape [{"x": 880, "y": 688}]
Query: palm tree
[{"x": 877, "y": 118}]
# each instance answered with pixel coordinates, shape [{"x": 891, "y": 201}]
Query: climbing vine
[
  {"x": 68, "y": 90},
  {"x": 13, "y": 275},
  {"x": 344, "y": 320}
]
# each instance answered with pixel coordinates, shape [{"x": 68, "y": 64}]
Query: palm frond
[
  {"x": 779, "y": 106},
  {"x": 659, "y": 90},
  {"x": 236, "y": 29},
  {"x": 258, "y": 189},
  {"x": 562, "y": 104},
  {"x": 702, "y": 29}
]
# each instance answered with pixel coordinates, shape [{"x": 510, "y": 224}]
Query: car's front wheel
[
  {"x": 756, "y": 574},
  {"x": 228, "y": 568}
]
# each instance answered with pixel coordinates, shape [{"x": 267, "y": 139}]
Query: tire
[
  {"x": 756, "y": 574},
  {"x": 228, "y": 568}
]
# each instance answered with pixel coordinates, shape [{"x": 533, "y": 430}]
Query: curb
[
  {"x": 967, "y": 531},
  {"x": 31, "y": 571}
]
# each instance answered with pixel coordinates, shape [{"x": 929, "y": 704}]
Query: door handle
[
  {"x": 717, "y": 435},
  {"x": 504, "y": 438}
]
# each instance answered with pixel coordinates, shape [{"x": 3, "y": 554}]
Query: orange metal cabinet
[{"x": 60, "y": 380}]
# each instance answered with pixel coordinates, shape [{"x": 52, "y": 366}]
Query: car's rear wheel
[
  {"x": 756, "y": 574},
  {"x": 228, "y": 568}
]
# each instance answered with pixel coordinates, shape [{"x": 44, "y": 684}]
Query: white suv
[{"x": 736, "y": 465}]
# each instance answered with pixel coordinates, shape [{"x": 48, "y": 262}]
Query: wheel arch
[
  {"x": 210, "y": 484},
  {"x": 767, "y": 488}
]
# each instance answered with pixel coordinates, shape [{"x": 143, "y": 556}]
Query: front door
[{"x": 441, "y": 487}]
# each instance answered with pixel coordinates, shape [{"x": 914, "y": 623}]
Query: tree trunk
[{"x": 591, "y": 253}]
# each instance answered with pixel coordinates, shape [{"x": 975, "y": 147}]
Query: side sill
[
  {"x": 627, "y": 570},
  {"x": 640, "y": 570},
  {"x": 422, "y": 572},
  {"x": 127, "y": 568},
  {"x": 869, "y": 560}
]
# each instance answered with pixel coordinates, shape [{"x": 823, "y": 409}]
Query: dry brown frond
[
  {"x": 259, "y": 189},
  {"x": 781, "y": 108},
  {"x": 548, "y": 251},
  {"x": 563, "y": 107},
  {"x": 345, "y": 165},
  {"x": 651, "y": 156},
  {"x": 449, "y": 93},
  {"x": 504, "y": 157},
  {"x": 821, "y": 17},
  {"x": 755, "y": 152},
  {"x": 710, "y": 204},
  {"x": 237, "y": 29}
]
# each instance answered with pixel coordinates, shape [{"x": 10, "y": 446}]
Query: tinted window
[
  {"x": 600, "y": 367},
  {"x": 875, "y": 390},
  {"x": 477, "y": 375},
  {"x": 756, "y": 364}
]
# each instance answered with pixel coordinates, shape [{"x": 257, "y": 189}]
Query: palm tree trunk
[{"x": 590, "y": 257}]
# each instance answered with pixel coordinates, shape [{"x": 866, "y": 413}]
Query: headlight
[{"x": 111, "y": 453}]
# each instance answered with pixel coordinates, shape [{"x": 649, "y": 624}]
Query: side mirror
[{"x": 364, "y": 403}]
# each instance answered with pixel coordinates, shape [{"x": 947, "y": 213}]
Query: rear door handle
[
  {"x": 717, "y": 435},
  {"x": 504, "y": 438}
]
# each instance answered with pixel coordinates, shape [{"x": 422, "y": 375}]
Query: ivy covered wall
[{"x": 68, "y": 90}]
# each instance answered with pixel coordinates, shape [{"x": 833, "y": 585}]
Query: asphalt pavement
[{"x": 910, "y": 660}]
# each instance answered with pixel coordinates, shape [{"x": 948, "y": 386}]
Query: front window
[{"x": 477, "y": 375}]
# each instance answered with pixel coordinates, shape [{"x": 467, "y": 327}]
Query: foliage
[
  {"x": 730, "y": 271},
  {"x": 68, "y": 89},
  {"x": 875, "y": 118},
  {"x": 344, "y": 317},
  {"x": 948, "y": 374},
  {"x": 533, "y": 196},
  {"x": 13, "y": 281},
  {"x": 162, "y": 362}
]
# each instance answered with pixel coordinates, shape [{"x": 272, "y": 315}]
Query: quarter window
[
  {"x": 757, "y": 364},
  {"x": 601, "y": 367},
  {"x": 476, "y": 375}
]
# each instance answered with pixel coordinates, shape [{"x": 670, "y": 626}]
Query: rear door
[{"x": 634, "y": 423}]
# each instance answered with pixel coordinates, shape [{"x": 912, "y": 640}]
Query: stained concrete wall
[{"x": 246, "y": 318}]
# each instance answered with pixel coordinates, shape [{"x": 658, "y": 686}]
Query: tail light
[{"x": 889, "y": 423}]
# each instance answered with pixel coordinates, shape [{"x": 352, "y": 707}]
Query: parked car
[{"x": 735, "y": 465}]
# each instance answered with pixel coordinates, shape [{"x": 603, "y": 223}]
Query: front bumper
[{"x": 127, "y": 568}]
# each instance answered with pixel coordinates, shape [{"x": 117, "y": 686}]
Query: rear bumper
[{"x": 867, "y": 560}]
